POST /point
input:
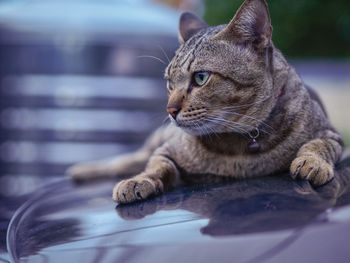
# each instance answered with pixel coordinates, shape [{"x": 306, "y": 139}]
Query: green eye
[{"x": 201, "y": 77}]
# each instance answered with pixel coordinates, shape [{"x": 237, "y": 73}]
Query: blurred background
[{"x": 83, "y": 79}]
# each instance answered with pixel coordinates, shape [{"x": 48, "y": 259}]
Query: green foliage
[
  {"x": 301, "y": 28},
  {"x": 346, "y": 137}
]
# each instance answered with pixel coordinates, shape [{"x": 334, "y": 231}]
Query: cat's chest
[
  {"x": 223, "y": 144},
  {"x": 225, "y": 157}
]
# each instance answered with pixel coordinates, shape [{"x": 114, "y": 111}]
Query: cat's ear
[
  {"x": 251, "y": 23},
  {"x": 189, "y": 25}
]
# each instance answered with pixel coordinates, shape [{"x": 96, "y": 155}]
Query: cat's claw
[
  {"x": 136, "y": 189},
  {"x": 313, "y": 169}
]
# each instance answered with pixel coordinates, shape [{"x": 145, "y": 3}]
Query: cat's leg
[
  {"x": 315, "y": 159},
  {"x": 124, "y": 165},
  {"x": 160, "y": 174}
]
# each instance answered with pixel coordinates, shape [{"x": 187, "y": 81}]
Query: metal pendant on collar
[{"x": 254, "y": 146}]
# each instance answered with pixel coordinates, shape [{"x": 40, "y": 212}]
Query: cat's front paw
[
  {"x": 313, "y": 169},
  {"x": 136, "y": 189}
]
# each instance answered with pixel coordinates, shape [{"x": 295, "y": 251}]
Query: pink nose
[{"x": 173, "y": 110}]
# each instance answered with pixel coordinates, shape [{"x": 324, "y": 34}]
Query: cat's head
[{"x": 220, "y": 78}]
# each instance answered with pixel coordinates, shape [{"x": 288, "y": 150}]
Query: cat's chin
[
  {"x": 192, "y": 131},
  {"x": 204, "y": 132}
]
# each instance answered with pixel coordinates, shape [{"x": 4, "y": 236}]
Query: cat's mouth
[{"x": 198, "y": 121}]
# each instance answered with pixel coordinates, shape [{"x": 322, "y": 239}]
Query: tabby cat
[{"x": 239, "y": 109}]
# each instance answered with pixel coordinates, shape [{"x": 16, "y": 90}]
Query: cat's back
[{"x": 315, "y": 97}]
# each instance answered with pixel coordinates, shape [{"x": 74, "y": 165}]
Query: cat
[{"x": 239, "y": 109}]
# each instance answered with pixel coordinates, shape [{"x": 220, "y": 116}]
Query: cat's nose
[{"x": 173, "y": 110}]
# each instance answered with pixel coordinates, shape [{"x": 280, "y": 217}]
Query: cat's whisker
[
  {"x": 236, "y": 107},
  {"x": 230, "y": 121},
  {"x": 252, "y": 118},
  {"x": 195, "y": 124},
  {"x": 233, "y": 129},
  {"x": 228, "y": 124},
  {"x": 165, "y": 54},
  {"x": 153, "y": 57},
  {"x": 213, "y": 131},
  {"x": 230, "y": 110},
  {"x": 231, "y": 124},
  {"x": 203, "y": 129},
  {"x": 247, "y": 116},
  {"x": 206, "y": 130},
  {"x": 243, "y": 105},
  {"x": 166, "y": 119}
]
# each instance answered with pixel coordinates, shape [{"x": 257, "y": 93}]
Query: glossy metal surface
[{"x": 270, "y": 219}]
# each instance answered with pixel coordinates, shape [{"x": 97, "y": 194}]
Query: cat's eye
[{"x": 201, "y": 77}]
